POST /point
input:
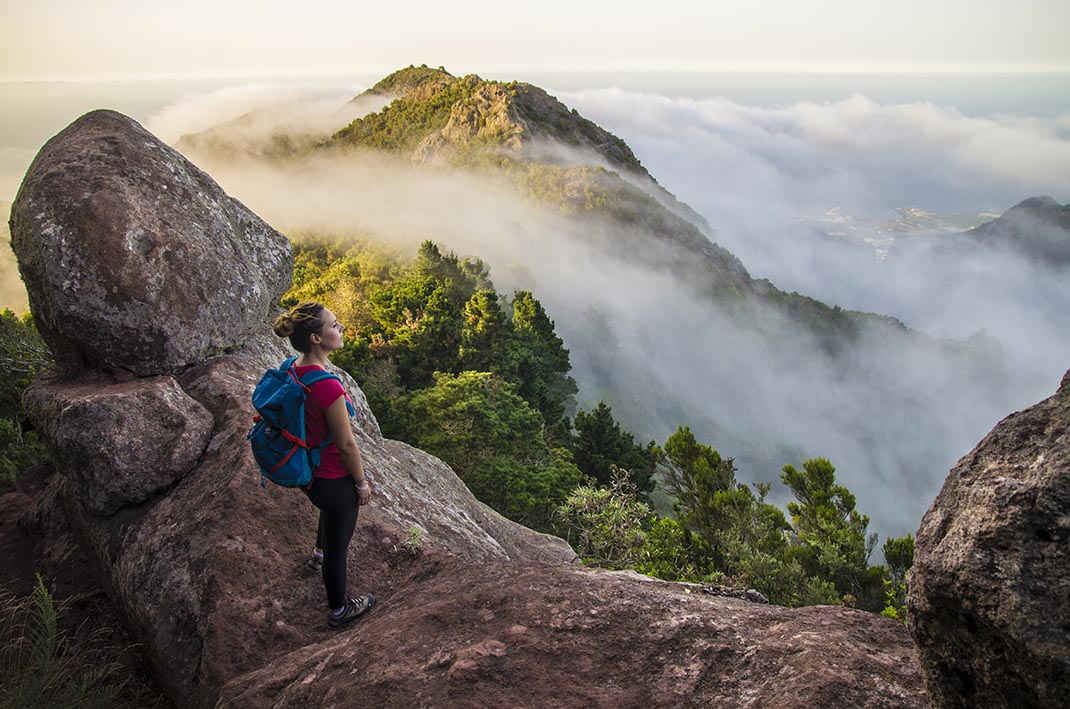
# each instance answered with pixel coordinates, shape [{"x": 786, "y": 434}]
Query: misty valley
[{"x": 525, "y": 301}]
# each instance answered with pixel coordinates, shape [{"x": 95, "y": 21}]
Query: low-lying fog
[{"x": 640, "y": 338}]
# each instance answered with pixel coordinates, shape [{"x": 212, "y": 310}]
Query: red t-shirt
[{"x": 321, "y": 395}]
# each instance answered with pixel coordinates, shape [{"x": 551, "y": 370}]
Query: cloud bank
[
  {"x": 754, "y": 173},
  {"x": 645, "y": 340}
]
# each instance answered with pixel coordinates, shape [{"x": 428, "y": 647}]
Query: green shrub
[
  {"x": 23, "y": 354},
  {"x": 36, "y": 667},
  {"x": 604, "y": 524}
]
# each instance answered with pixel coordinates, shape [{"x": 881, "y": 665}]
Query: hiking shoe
[
  {"x": 314, "y": 563},
  {"x": 355, "y": 608}
]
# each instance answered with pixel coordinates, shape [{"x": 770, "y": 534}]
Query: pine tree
[
  {"x": 539, "y": 363},
  {"x": 601, "y": 444},
  {"x": 831, "y": 535}
]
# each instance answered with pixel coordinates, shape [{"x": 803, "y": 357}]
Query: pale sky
[{"x": 125, "y": 39}]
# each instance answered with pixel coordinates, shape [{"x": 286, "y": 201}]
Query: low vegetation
[
  {"x": 39, "y": 667},
  {"x": 23, "y": 354}
]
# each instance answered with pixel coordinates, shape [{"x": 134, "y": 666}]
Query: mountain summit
[
  {"x": 440, "y": 117},
  {"x": 1038, "y": 228}
]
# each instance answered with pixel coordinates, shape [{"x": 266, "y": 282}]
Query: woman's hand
[{"x": 364, "y": 492}]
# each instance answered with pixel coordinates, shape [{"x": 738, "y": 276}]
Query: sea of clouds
[{"x": 643, "y": 340}]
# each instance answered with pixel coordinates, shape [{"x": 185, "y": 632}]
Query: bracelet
[{"x": 363, "y": 482}]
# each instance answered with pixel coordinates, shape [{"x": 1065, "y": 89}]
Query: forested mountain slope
[{"x": 660, "y": 321}]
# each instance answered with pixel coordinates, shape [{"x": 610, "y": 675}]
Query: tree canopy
[{"x": 482, "y": 381}]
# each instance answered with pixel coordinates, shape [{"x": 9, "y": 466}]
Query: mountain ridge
[
  {"x": 469, "y": 110},
  {"x": 505, "y": 124},
  {"x": 1036, "y": 227},
  {"x": 647, "y": 301}
]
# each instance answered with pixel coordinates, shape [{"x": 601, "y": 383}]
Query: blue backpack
[{"x": 278, "y": 433}]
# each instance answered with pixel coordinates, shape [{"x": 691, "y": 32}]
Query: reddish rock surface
[
  {"x": 122, "y": 441},
  {"x": 537, "y": 635},
  {"x": 209, "y": 575}
]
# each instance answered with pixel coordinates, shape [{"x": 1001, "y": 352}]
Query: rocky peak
[
  {"x": 464, "y": 115},
  {"x": 1045, "y": 203},
  {"x": 415, "y": 82},
  {"x": 1038, "y": 227},
  {"x": 487, "y": 116}
]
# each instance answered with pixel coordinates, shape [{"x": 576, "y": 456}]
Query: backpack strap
[
  {"x": 309, "y": 378},
  {"x": 306, "y": 380}
]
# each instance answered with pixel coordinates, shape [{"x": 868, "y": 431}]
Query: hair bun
[{"x": 284, "y": 325}]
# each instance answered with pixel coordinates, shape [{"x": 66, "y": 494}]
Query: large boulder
[
  {"x": 989, "y": 592},
  {"x": 133, "y": 257},
  {"x": 210, "y": 574},
  {"x": 121, "y": 442}
]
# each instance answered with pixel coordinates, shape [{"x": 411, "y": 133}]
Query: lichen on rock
[
  {"x": 990, "y": 586},
  {"x": 121, "y": 442},
  {"x": 135, "y": 259}
]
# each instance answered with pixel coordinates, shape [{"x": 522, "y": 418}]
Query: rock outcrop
[
  {"x": 990, "y": 587},
  {"x": 122, "y": 441},
  {"x": 135, "y": 259},
  {"x": 157, "y": 480},
  {"x": 523, "y": 121},
  {"x": 536, "y": 635},
  {"x": 207, "y": 566}
]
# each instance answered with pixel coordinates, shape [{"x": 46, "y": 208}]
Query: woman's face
[{"x": 330, "y": 335}]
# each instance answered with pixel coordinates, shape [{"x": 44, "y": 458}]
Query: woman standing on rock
[{"x": 339, "y": 487}]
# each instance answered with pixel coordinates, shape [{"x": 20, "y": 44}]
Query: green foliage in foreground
[
  {"x": 830, "y": 535},
  {"x": 724, "y": 532},
  {"x": 601, "y": 446},
  {"x": 453, "y": 367},
  {"x": 605, "y": 524},
  {"x": 406, "y": 321},
  {"x": 899, "y": 555},
  {"x": 36, "y": 667},
  {"x": 495, "y": 441},
  {"x": 23, "y": 354}
]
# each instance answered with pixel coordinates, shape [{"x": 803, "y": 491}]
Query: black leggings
[{"x": 338, "y": 504}]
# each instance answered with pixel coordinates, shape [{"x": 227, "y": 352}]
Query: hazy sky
[{"x": 75, "y": 39}]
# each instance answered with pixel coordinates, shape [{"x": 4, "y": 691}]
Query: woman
[{"x": 339, "y": 487}]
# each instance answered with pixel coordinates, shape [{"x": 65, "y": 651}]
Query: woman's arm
[{"x": 338, "y": 423}]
